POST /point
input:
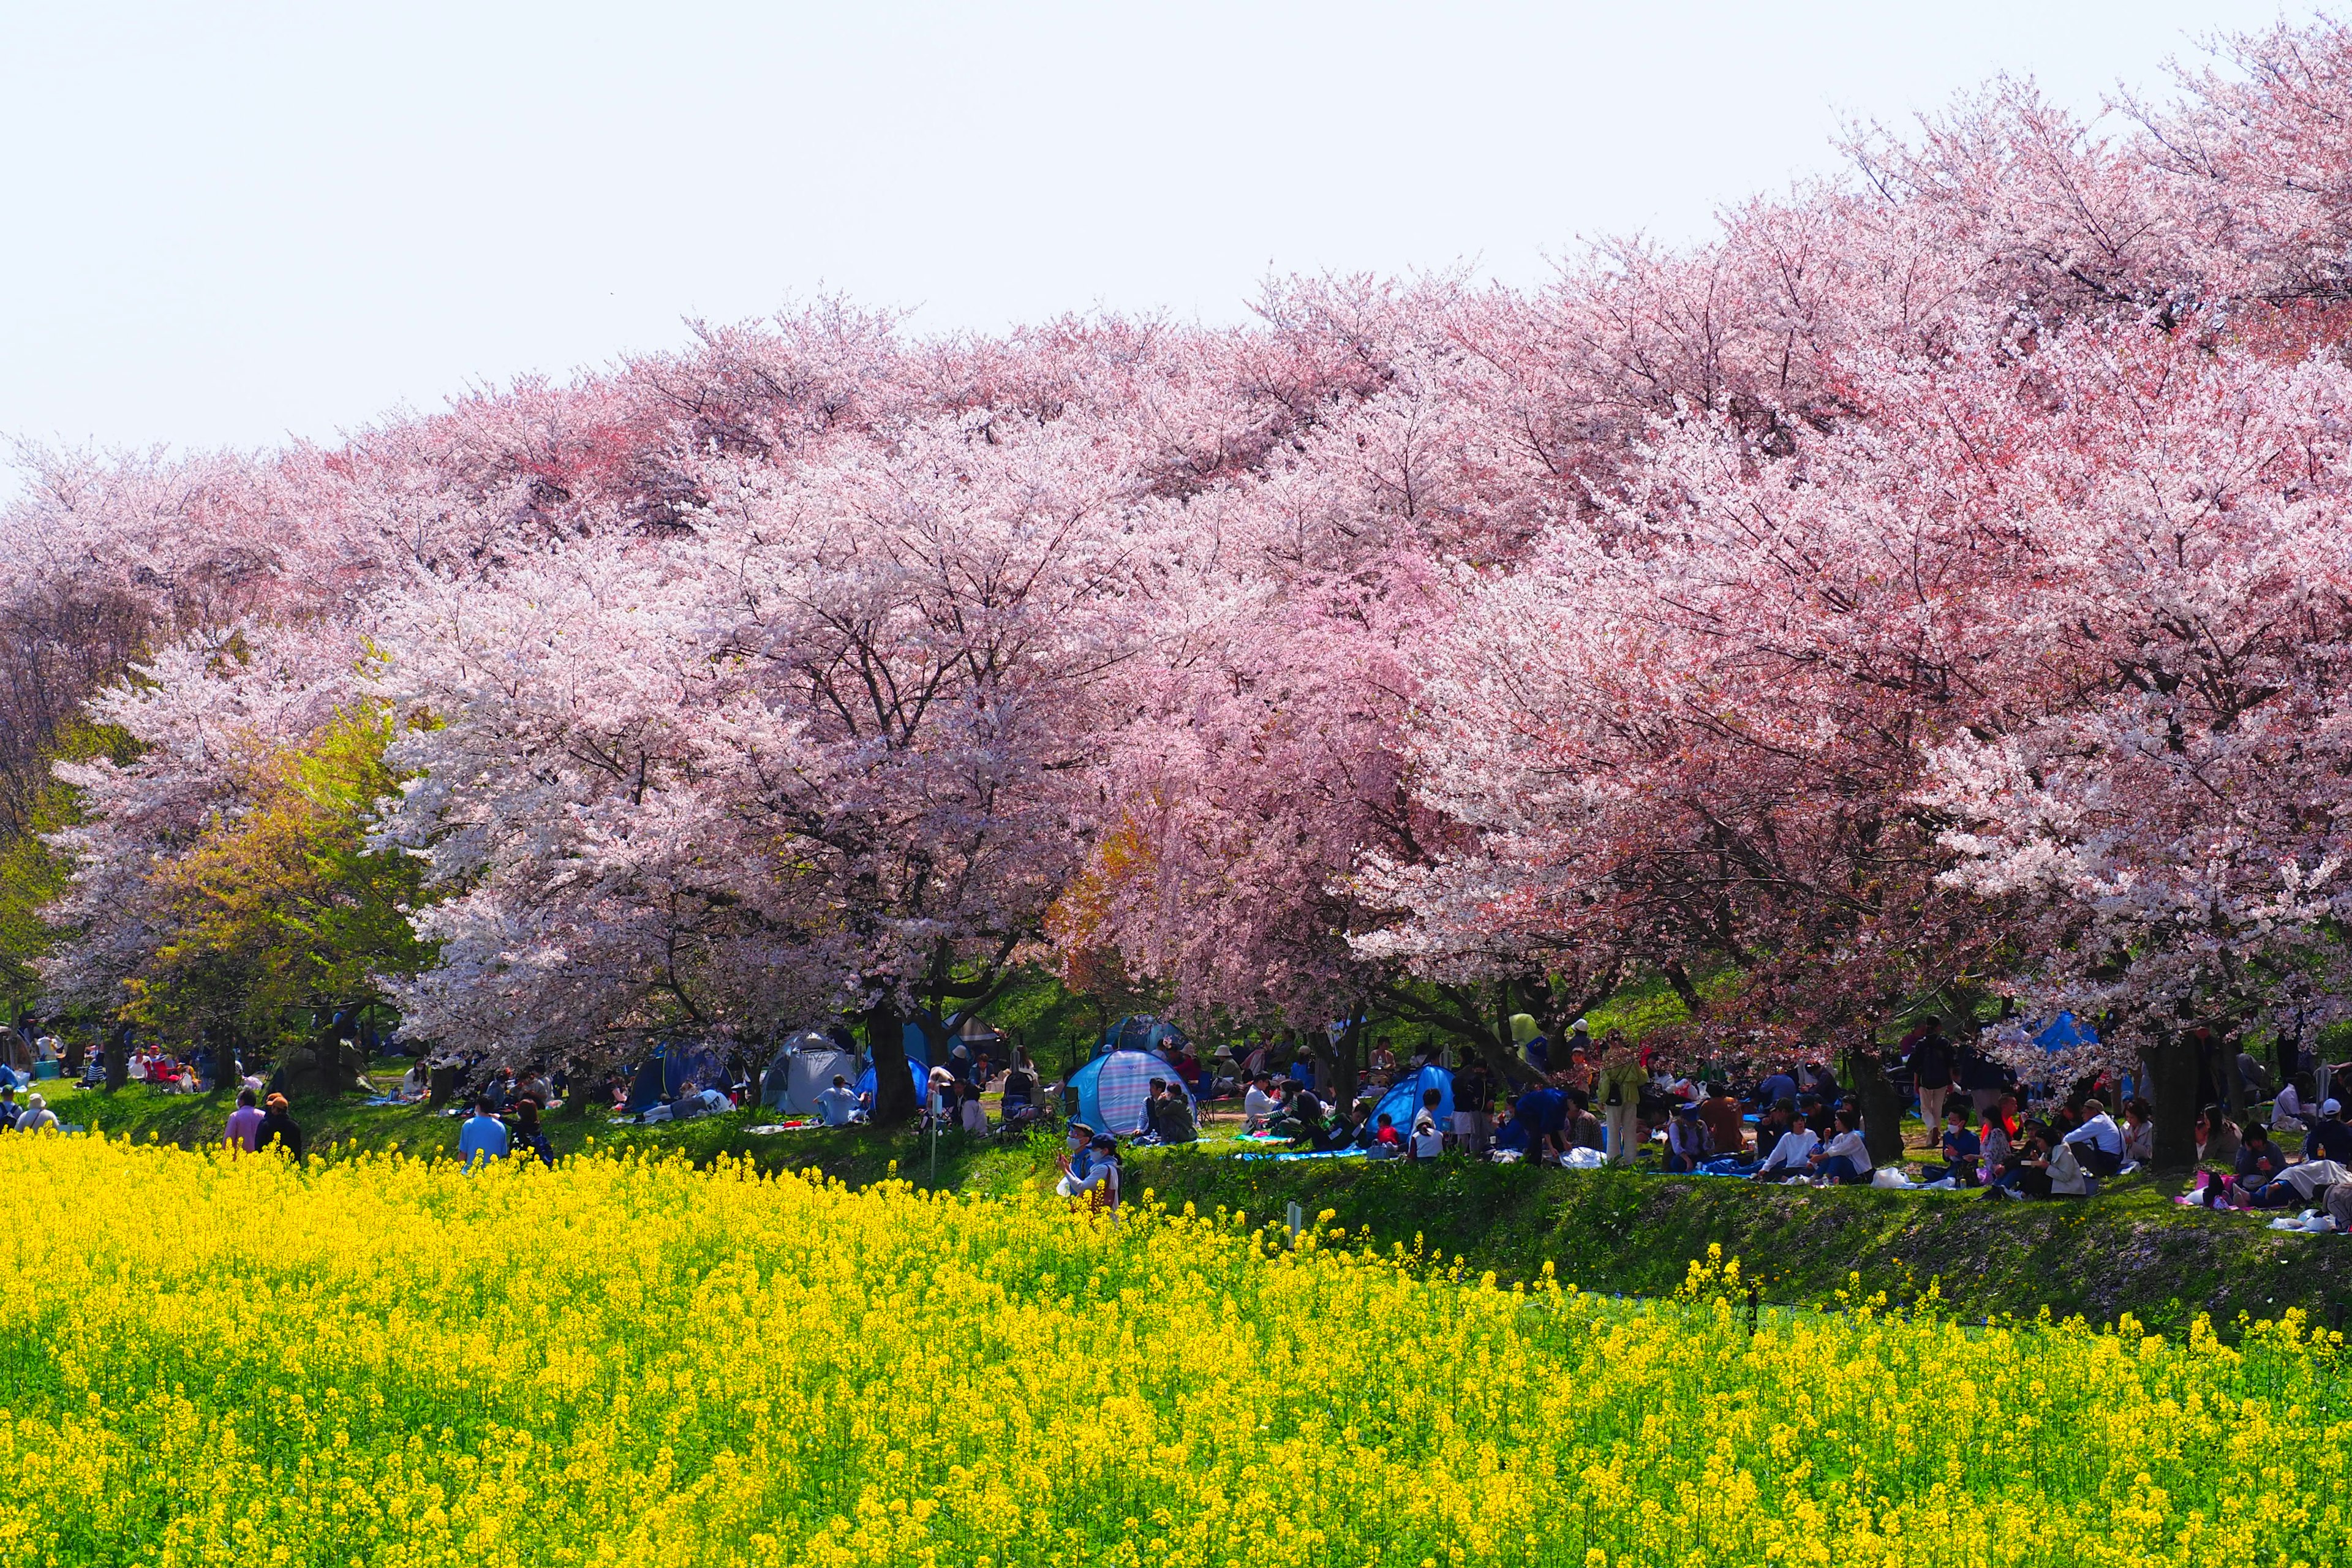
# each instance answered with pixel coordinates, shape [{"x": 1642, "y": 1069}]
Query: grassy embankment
[{"x": 2129, "y": 1250}]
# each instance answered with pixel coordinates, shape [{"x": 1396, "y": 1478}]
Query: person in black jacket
[
  {"x": 1930, "y": 1061},
  {"x": 278, "y": 1127},
  {"x": 527, "y": 1134}
]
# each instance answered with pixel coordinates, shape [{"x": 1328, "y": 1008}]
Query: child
[{"x": 1386, "y": 1144}]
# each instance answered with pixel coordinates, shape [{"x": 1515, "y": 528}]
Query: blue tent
[
  {"x": 1142, "y": 1032},
  {"x": 675, "y": 1067},
  {"x": 1112, "y": 1089},
  {"x": 915, "y": 1069},
  {"x": 2064, "y": 1034},
  {"x": 1403, "y": 1100}
]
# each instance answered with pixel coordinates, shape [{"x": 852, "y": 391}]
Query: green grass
[{"x": 2130, "y": 1250}]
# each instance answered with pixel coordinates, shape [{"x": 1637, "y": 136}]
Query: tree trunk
[
  {"x": 895, "y": 1102},
  {"x": 1882, "y": 1108},
  {"x": 1341, "y": 1056},
  {"x": 2172, "y": 1075},
  {"x": 118, "y": 1058}
]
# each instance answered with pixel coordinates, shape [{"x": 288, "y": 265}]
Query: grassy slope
[{"x": 2129, "y": 1250}]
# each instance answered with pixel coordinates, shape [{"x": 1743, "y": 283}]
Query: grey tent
[{"x": 804, "y": 1069}]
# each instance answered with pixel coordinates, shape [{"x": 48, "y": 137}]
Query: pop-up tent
[
  {"x": 1142, "y": 1032},
  {"x": 1402, "y": 1102},
  {"x": 1112, "y": 1089}
]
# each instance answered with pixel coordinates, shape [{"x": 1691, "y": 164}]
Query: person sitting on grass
[
  {"x": 1259, "y": 1107},
  {"x": 37, "y": 1116},
  {"x": 1844, "y": 1160},
  {"x": 1175, "y": 1123},
  {"x": 2217, "y": 1136},
  {"x": 971, "y": 1115},
  {"x": 1386, "y": 1142},
  {"x": 1793, "y": 1154},
  {"x": 1428, "y": 1140},
  {"x": 1584, "y": 1128},
  {"x": 1727, "y": 1129},
  {"x": 2260, "y": 1160},
  {"x": 2295, "y": 1105},
  {"x": 2328, "y": 1138},
  {"x": 1997, "y": 1161},
  {"x": 1301, "y": 1117},
  {"x": 1963, "y": 1150},
  {"x": 1685, "y": 1141},
  {"x": 838, "y": 1105},
  {"x": 483, "y": 1139},
  {"x": 2098, "y": 1142},
  {"x": 2139, "y": 1132},
  {"x": 1543, "y": 1112}
]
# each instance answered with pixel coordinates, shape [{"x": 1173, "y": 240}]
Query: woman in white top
[
  {"x": 1844, "y": 1160},
  {"x": 2292, "y": 1107},
  {"x": 1790, "y": 1155}
]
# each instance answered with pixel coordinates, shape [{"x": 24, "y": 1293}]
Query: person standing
[
  {"x": 1474, "y": 1098},
  {"x": 483, "y": 1138},
  {"x": 1622, "y": 1082},
  {"x": 245, "y": 1122},
  {"x": 276, "y": 1128},
  {"x": 1930, "y": 1061}
]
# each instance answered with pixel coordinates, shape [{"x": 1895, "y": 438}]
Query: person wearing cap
[
  {"x": 37, "y": 1116},
  {"x": 2327, "y": 1137},
  {"x": 1685, "y": 1141},
  {"x": 277, "y": 1128}
]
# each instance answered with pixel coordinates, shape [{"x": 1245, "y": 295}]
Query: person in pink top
[{"x": 244, "y": 1121}]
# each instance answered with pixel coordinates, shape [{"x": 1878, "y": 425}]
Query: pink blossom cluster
[{"x": 1941, "y": 577}]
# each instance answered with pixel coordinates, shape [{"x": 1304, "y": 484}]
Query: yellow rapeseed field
[{"x": 378, "y": 1360}]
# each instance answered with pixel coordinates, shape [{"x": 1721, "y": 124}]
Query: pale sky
[{"x": 226, "y": 223}]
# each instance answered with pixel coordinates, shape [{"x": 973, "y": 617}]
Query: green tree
[{"x": 282, "y": 910}]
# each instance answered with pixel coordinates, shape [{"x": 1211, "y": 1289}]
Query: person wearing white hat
[
  {"x": 2327, "y": 1137},
  {"x": 37, "y": 1116}
]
